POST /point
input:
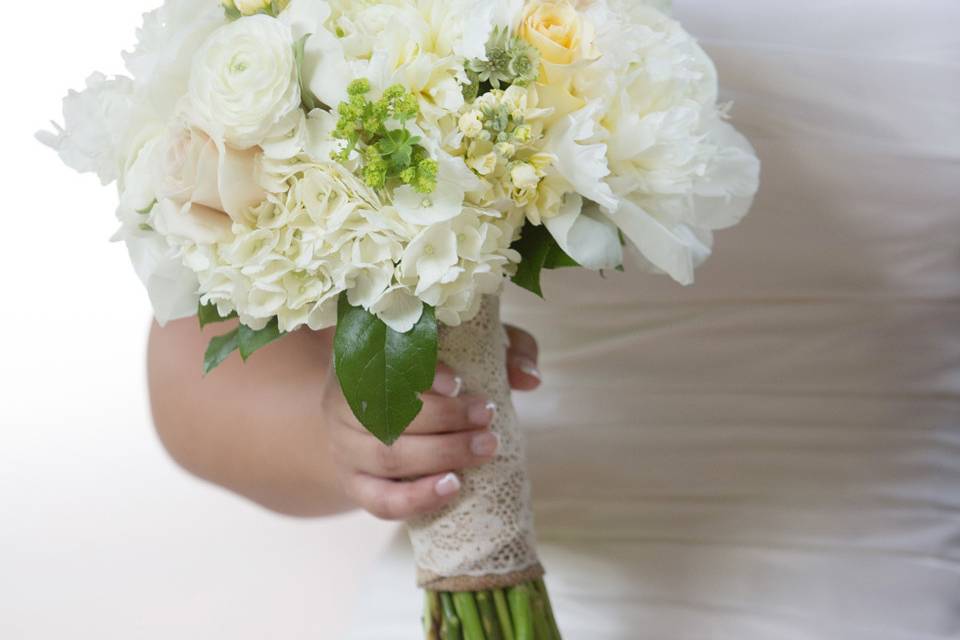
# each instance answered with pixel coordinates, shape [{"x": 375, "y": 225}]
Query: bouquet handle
[{"x": 477, "y": 558}]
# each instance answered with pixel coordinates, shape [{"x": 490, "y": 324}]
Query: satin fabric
[{"x": 773, "y": 453}]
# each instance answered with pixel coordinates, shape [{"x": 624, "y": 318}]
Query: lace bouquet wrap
[{"x": 386, "y": 168}]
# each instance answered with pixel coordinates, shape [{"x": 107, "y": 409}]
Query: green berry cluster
[
  {"x": 510, "y": 60},
  {"x": 387, "y": 153}
]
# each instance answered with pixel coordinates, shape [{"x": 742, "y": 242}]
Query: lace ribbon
[{"x": 485, "y": 540}]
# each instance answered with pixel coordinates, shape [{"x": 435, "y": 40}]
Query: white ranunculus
[
  {"x": 244, "y": 85},
  {"x": 194, "y": 168}
]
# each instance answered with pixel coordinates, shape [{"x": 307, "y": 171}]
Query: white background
[{"x": 101, "y": 536}]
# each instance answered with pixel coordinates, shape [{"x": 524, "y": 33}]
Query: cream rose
[
  {"x": 195, "y": 171},
  {"x": 559, "y": 32},
  {"x": 243, "y": 84}
]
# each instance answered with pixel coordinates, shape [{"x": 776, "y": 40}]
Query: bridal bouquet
[{"x": 384, "y": 168}]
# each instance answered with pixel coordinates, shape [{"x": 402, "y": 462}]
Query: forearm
[{"x": 252, "y": 428}]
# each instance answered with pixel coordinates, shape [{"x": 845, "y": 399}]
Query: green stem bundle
[{"x": 523, "y": 612}]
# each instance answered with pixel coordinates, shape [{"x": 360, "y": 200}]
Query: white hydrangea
[{"x": 329, "y": 233}]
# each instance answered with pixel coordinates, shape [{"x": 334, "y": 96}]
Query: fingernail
[
  {"x": 482, "y": 414},
  {"x": 448, "y": 385},
  {"x": 528, "y": 367},
  {"x": 448, "y": 485},
  {"x": 485, "y": 445}
]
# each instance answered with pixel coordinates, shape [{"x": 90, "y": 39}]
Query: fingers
[
  {"x": 446, "y": 383},
  {"x": 522, "y": 359},
  {"x": 390, "y": 500},
  {"x": 415, "y": 456}
]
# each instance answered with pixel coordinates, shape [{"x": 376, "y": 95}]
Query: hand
[{"x": 418, "y": 474}]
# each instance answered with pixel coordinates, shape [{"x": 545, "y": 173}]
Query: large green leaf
[
  {"x": 538, "y": 251},
  {"x": 383, "y": 372}
]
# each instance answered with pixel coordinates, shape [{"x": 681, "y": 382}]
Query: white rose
[
  {"x": 194, "y": 169},
  {"x": 244, "y": 85}
]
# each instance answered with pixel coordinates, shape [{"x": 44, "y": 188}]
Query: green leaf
[
  {"x": 382, "y": 372},
  {"x": 220, "y": 349},
  {"x": 557, "y": 258},
  {"x": 147, "y": 209},
  {"x": 209, "y": 314},
  {"x": 251, "y": 340},
  {"x": 232, "y": 13},
  {"x": 307, "y": 97},
  {"x": 538, "y": 250}
]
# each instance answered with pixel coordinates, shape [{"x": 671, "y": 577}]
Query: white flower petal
[
  {"x": 172, "y": 288},
  {"x": 583, "y": 164},
  {"x": 444, "y": 203},
  {"x": 674, "y": 249},
  {"x": 399, "y": 309},
  {"x": 191, "y": 222},
  {"x": 723, "y": 196}
]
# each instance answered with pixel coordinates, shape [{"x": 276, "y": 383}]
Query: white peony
[
  {"x": 244, "y": 84},
  {"x": 649, "y": 152},
  {"x": 166, "y": 43},
  {"x": 96, "y": 133}
]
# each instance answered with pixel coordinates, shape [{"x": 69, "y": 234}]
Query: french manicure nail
[
  {"x": 482, "y": 414},
  {"x": 528, "y": 367},
  {"x": 448, "y": 485},
  {"x": 485, "y": 445},
  {"x": 447, "y": 385}
]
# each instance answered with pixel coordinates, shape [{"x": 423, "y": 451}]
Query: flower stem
[
  {"x": 432, "y": 615},
  {"x": 488, "y": 615},
  {"x": 503, "y": 614},
  {"x": 466, "y": 607},
  {"x": 519, "y": 598},
  {"x": 523, "y": 612},
  {"x": 541, "y": 587},
  {"x": 450, "y": 628}
]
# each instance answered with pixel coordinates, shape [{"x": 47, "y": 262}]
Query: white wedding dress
[{"x": 773, "y": 453}]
